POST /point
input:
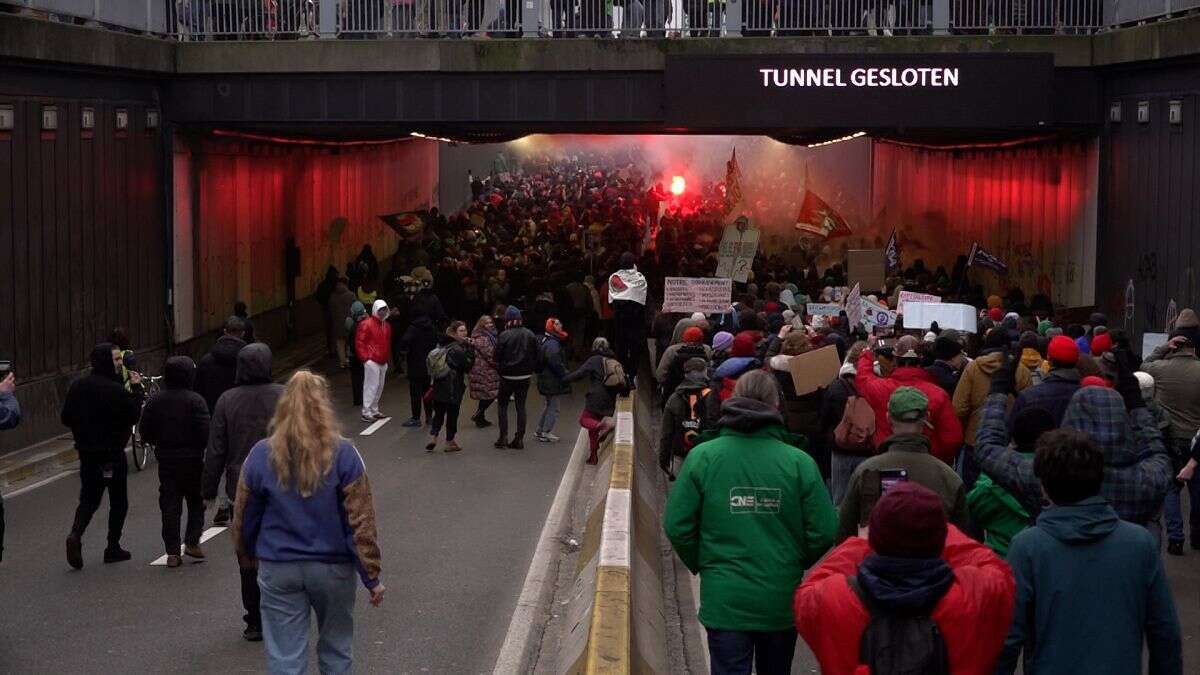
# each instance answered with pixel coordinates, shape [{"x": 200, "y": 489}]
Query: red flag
[{"x": 819, "y": 219}]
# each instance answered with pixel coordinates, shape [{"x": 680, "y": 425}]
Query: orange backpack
[{"x": 855, "y": 433}]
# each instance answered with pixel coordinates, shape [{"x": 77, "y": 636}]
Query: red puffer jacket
[
  {"x": 973, "y": 615},
  {"x": 946, "y": 436},
  {"x": 373, "y": 341}
]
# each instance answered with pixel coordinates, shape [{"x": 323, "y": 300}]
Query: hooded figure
[
  {"x": 101, "y": 413},
  {"x": 373, "y": 344},
  {"x": 239, "y": 421},
  {"x": 749, "y": 513},
  {"x": 340, "y": 302},
  {"x": 685, "y": 415},
  {"x": 176, "y": 422},
  {"x": 218, "y": 368}
]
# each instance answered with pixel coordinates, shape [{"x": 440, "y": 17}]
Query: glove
[
  {"x": 1004, "y": 381},
  {"x": 1127, "y": 384}
]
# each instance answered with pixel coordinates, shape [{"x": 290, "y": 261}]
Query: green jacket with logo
[{"x": 749, "y": 513}]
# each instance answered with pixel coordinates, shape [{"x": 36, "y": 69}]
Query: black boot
[
  {"x": 75, "y": 551},
  {"x": 517, "y": 443},
  {"x": 501, "y": 443},
  {"x": 114, "y": 553}
]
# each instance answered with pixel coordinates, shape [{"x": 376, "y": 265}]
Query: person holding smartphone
[{"x": 904, "y": 456}]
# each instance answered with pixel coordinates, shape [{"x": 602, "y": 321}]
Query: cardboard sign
[
  {"x": 823, "y": 309},
  {"x": 867, "y": 267},
  {"x": 909, "y": 296},
  {"x": 737, "y": 253},
  {"x": 854, "y": 310},
  {"x": 687, "y": 295},
  {"x": 946, "y": 314},
  {"x": 875, "y": 315},
  {"x": 1152, "y": 341},
  {"x": 815, "y": 369}
]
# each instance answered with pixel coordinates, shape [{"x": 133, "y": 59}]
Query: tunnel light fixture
[
  {"x": 49, "y": 117},
  {"x": 1114, "y": 112},
  {"x": 8, "y": 117},
  {"x": 1143, "y": 112},
  {"x": 151, "y": 119},
  {"x": 1175, "y": 111},
  {"x": 87, "y": 118},
  {"x": 857, "y": 134},
  {"x": 122, "y": 119},
  {"x": 418, "y": 134}
]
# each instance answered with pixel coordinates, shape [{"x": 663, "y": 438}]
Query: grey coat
[{"x": 240, "y": 419}]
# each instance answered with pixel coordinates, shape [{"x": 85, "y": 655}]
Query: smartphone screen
[{"x": 889, "y": 478}]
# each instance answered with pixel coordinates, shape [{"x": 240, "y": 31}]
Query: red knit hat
[
  {"x": 743, "y": 344},
  {"x": 1101, "y": 343},
  {"x": 1095, "y": 381},
  {"x": 996, "y": 314},
  {"x": 771, "y": 307},
  {"x": 554, "y": 327},
  {"x": 693, "y": 334},
  {"x": 908, "y": 522},
  {"x": 1063, "y": 351}
]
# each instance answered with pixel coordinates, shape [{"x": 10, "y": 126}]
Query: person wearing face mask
[{"x": 101, "y": 413}]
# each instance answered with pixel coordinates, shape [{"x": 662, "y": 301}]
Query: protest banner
[
  {"x": 1152, "y": 341},
  {"x": 867, "y": 267},
  {"x": 875, "y": 315},
  {"x": 854, "y": 310},
  {"x": 690, "y": 294},
  {"x": 946, "y": 314},
  {"x": 815, "y": 369},
  {"x": 823, "y": 309},
  {"x": 909, "y": 296},
  {"x": 738, "y": 248}
]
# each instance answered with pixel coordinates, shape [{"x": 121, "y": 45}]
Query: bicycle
[{"x": 142, "y": 449}]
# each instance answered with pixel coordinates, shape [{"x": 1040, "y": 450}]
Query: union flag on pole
[
  {"x": 733, "y": 183},
  {"x": 819, "y": 219},
  {"x": 892, "y": 253},
  {"x": 978, "y": 257}
]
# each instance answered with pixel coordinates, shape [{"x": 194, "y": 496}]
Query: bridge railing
[{"x": 368, "y": 19}]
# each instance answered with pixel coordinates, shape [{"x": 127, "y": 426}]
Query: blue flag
[
  {"x": 892, "y": 253},
  {"x": 981, "y": 258}
]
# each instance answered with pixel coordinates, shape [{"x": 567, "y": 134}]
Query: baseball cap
[{"x": 908, "y": 404}]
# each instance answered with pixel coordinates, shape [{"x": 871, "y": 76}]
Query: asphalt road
[{"x": 457, "y": 533}]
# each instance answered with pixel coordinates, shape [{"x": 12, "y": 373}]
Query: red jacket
[
  {"x": 974, "y": 614},
  {"x": 373, "y": 341},
  {"x": 947, "y": 434}
]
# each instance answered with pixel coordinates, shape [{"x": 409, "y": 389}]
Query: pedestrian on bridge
[{"x": 305, "y": 518}]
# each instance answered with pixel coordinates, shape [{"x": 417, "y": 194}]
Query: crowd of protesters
[{"x": 939, "y": 495}]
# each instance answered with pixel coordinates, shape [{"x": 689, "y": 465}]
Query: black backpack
[{"x": 900, "y": 644}]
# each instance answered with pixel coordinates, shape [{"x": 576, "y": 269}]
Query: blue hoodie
[{"x": 1090, "y": 587}]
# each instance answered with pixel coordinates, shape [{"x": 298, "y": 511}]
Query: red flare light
[{"x": 678, "y": 185}]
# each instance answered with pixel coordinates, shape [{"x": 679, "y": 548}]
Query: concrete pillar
[
  {"x": 531, "y": 10},
  {"x": 327, "y": 19},
  {"x": 941, "y": 17}
]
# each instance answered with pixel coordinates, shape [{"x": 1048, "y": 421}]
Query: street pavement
[{"x": 457, "y": 533}]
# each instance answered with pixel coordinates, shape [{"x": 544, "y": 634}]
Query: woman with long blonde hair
[{"x": 304, "y": 514}]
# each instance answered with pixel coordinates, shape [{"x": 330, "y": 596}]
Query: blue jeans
[
  {"x": 290, "y": 591},
  {"x": 841, "y": 467},
  {"x": 734, "y": 652},
  {"x": 1173, "y": 506},
  {"x": 549, "y": 415}
]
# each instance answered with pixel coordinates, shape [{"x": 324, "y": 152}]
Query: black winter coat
[
  {"x": 517, "y": 352},
  {"x": 450, "y": 389},
  {"x": 417, "y": 342},
  {"x": 600, "y": 400},
  {"x": 99, "y": 410},
  {"x": 175, "y": 421},
  {"x": 217, "y": 370}
]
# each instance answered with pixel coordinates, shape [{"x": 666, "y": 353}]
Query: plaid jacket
[{"x": 1135, "y": 479}]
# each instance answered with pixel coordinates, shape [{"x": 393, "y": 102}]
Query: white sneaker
[
  {"x": 550, "y": 438},
  {"x": 541, "y": 437},
  {"x": 367, "y": 417}
]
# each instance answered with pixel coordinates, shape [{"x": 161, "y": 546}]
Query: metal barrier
[
  {"x": 1027, "y": 16},
  {"x": 148, "y": 16},
  {"x": 861, "y": 17}
]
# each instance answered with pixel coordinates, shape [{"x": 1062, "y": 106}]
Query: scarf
[
  {"x": 905, "y": 584},
  {"x": 627, "y": 284}
]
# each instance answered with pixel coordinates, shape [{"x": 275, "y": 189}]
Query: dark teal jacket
[{"x": 1090, "y": 588}]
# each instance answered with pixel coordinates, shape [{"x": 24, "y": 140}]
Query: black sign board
[{"x": 797, "y": 91}]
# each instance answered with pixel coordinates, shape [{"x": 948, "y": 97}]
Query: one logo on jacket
[{"x": 754, "y": 500}]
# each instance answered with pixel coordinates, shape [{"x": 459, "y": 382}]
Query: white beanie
[
  {"x": 698, "y": 316},
  {"x": 1146, "y": 384}
]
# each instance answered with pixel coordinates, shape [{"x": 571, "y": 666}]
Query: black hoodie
[
  {"x": 217, "y": 369},
  {"x": 240, "y": 419},
  {"x": 175, "y": 420},
  {"x": 99, "y": 411}
]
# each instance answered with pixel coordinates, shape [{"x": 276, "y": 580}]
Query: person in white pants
[{"x": 373, "y": 343}]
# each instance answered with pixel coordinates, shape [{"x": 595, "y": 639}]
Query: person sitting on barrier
[
  {"x": 685, "y": 416},
  {"x": 749, "y": 513},
  {"x": 908, "y": 570}
]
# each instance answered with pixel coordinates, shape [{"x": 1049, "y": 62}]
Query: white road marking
[
  {"x": 208, "y": 534},
  {"x": 40, "y": 483},
  {"x": 375, "y": 426}
]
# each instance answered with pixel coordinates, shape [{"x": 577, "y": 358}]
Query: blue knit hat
[{"x": 513, "y": 313}]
